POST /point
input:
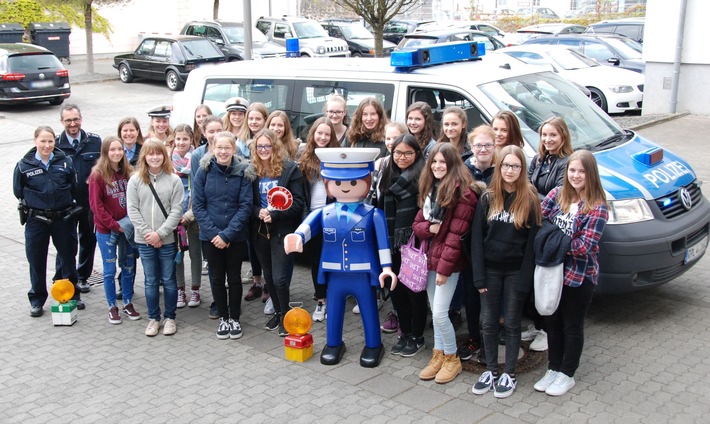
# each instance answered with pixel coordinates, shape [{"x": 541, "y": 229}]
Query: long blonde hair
[
  {"x": 245, "y": 134},
  {"x": 150, "y": 146},
  {"x": 276, "y": 162},
  {"x": 526, "y": 201},
  {"x": 593, "y": 190}
]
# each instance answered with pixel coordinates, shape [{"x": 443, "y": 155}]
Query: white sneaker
[
  {"x": 248, "y": 277},
  {"x": 205, "y": 268},
  {"x": 561, "y": 385},
  {"x": 546, "y": 380},
  {"x": 529, "y": 334},
  {"x": 540, "y": 342},
  {"x": 319, "y": 313},
  {"x": 269, "y": 307},
  {"x": 356, "y": 309},
  {"x": 181, "y": 300}
]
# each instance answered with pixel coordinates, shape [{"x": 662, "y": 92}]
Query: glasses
[
  {"x": 487, "y": 146},
  {"x": 335, "y": 112},
  {"x": 263, "y": 147},
  {"x": 72, "y": 121},
  {"x": 506, "y": 166},
  {"x": 223, "y": 148},
  {"x": 399, "y": 154}
]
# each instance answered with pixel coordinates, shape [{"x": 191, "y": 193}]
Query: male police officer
[
  {"x": 84, "y": 149},
  {"x": 356, "y": 253}
]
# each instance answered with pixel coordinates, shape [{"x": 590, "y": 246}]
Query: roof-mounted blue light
[{"x": 406, "y": 60}]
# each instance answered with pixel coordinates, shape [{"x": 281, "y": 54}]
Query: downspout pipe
[{"x": 675, "y": 82}]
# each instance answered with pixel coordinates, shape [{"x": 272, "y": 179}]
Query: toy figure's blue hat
[{"x": 346, "y": 164}]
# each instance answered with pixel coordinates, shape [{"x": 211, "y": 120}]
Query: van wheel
[
  {"x": 357, "y": 54},
  {"x": 598, "y": 98},
  {"x": 305, "y": 55},
  {"x": 173, "y": 81},
  {"x": 124, "y": 73}
]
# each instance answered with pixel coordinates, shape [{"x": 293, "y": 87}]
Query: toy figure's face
[{"x": 348, "y": 191}]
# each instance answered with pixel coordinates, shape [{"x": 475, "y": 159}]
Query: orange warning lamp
[
  {"x": 297, "y": 321},
  {"x": 62, "y": 290}
]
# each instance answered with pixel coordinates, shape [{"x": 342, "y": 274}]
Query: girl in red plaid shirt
[{"x": 579, "y": 208}]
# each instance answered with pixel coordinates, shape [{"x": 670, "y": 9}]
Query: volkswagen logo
[
  {"x": 685, "y": 199},
  {"x": 41, "y": 76}
]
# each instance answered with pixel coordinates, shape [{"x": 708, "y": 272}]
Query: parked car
[
  {"x": 553, "y": 29},
  {"x": 313, "y": 40},
  {"x": 421, "y": 38},
  {"x": 30, "y": 73},
  {"x": 537, "y": 12},
  {"x": 167, "y": 58},
  {"x": 582, "y": 11},
  {"x": 229, "y": 37},
  {"x": 394, "y": 30},
  {"x": 474, "y": 25},
  {"x": 614, "y": 90},
  {"x": 607, "y": 49},
  {"x": 360, "y": 41},
  {"x": 629, "y": 27}
]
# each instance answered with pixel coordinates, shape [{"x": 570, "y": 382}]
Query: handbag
[
  {"x": 548, "y": 288},
  {"x": 413, "y": 271}
]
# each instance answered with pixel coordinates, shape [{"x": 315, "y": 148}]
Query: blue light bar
[
  {"x": 405, "y": 60},
  {"x": 650, "y": 157}
]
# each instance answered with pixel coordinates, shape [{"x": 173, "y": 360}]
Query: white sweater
[{"x": 144, "y": 212}]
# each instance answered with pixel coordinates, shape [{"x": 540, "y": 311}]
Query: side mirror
[
  {"x": 614, "y": 61},
  {"x": 219, "y": 41}
]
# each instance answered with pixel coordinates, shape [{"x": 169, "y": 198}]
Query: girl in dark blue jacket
[{"x": 222, "y": 199}]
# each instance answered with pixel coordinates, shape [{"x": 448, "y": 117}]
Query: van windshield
[{"x": 537, "y": 97}]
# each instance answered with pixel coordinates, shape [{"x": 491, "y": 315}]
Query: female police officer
[{"x": 45, "y": 182}]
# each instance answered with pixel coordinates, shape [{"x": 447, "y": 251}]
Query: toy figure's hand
[
  {"x": 387, "y": 272},
  {"x": 293, "y": 243},
  {"x": 434, "y": 228},
  {"x": 441, "y": 279}
]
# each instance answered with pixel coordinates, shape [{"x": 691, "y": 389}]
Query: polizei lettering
[
  {"x": 666, "y": 173},
  {"x": 34, "y": 172}
]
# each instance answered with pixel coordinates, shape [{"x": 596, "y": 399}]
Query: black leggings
[{"x": 411, "y": 307}]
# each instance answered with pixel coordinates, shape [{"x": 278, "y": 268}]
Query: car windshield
[
  {"x": 414, "y": 42},
  {"x": 355, "y": 32},
  {"x": 200, "y": 49},
  {"x": 569, "y": 59},
  {"x": 33, "y": 62},
  {"x": 235, "y": 35},
  {"x": 309, "y": 29},
  {"x": 537, "y": 97},
  {"x": 626, "y": 47}
]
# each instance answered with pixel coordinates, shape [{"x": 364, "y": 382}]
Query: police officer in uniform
[
  {"x": 84, "y": 149},
  {"x": 45, "y": 182}
]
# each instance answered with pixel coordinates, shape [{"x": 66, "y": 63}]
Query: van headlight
[
  {"x": 320, "y": 50},
  {"x": 628, "y": 211},
  {"x": 622, "y": 89}
]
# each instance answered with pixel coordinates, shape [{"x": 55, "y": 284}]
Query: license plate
[
  {"x": 696, "y": 250},
  {"x": 41, "y": 84}
]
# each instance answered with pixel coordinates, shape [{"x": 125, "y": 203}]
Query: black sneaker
[
  {"x": 397, "y": 348},
  {"x": 223, "y": 329},
  {"x": 235, "y": 329},
  {"x": 282, "y": 331},
  {"x": 214, "y": 313},
  {"x": 273, "y": 322},
  {"x": 467, "y": 351},
  {"x": 413, "y": 346},
  {"x": 505, "y": 386}
]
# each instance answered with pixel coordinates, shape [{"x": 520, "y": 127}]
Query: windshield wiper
[{"x": 611, "y": 140}]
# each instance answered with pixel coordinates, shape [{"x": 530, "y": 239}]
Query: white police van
[{"x": 659, "y": 219}]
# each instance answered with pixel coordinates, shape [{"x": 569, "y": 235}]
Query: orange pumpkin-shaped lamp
[
  {"x": 297, "y": 321},
  {"x": 62, "y": 290}
]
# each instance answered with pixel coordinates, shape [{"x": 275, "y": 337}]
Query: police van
[{"x": 658, "y": 217}]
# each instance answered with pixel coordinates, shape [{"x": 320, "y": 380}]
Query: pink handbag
[{"x": 413, "y": 272}]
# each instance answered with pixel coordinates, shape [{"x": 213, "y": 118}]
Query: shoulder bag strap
[{"x": 157, "y": 199}]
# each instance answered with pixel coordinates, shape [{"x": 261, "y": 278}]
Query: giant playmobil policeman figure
[{"x": 356, "y": 255}]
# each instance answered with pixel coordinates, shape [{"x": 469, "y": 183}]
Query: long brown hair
[
  {"x": 245, "y": 134},
  {"x": 357, "y": 130},
  {"x": 515, "y": 135},
  {"x": 197, "y": 137},
  {"x": 288, "y": 140},
  {"x": 561, "y": 127},
  {"x": 309, "y": 162},
  {"x": 103, "y": 164},
  {"x": 593, "y": 190},
  {"x": 455, "y": 183},
  {"x": 427, "y": 133},
  {"x": 276, "y": 162},
  {"x": 153, "y": 145},
  {"x": 526, "y": 200},
  {"x": 134, "y": 121}
]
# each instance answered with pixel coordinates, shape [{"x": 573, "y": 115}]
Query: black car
[
  {"x": 229, "y": 37},
  {"x": 607, "y": 49},
  {"x": 628, "y": 27},
  {"x": 360, "y": 41},
  {"x": 421, "y": 38},
  {"x": 30, "y": 73},
  {"x": 394, "y": 30},
  {"x": 168, "y": 58}
]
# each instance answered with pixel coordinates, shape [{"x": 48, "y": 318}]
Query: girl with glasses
[{"x": 336, "y": 110}]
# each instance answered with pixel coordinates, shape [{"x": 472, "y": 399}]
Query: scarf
[
  {"x": 433, "y": 212},
  {"x": 400, "y": 206}
]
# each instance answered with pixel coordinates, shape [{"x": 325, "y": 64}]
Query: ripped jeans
[{"x": 108, "y": 246}]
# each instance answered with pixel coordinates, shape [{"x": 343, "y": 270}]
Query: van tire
[
  {"x": 305, "y": 55},
  {"x": 598, "y": 98}
]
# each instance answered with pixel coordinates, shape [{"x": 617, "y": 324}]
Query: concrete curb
[{"x": 659, "y": 120}]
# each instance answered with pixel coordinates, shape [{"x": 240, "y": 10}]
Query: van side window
[
  {"x": 274, "y": 94},
  {"x": 280, "y": 30},
  {"x": 439, "y": 99},
  {"x": 263, "y": 26}
]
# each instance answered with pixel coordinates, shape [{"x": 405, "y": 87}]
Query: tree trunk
[
  {"x": 378, "y": 31},
  {"x": 215, "y": 10},
  {"x": 88, "y": 23}
]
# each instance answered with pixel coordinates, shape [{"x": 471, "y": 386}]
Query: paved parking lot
[{"x": 647, "y": 354}]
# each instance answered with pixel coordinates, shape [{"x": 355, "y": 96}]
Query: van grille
[{"x": 671, "y": 205}]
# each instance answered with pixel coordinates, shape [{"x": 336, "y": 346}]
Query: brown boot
[
  {"x": 437, "y": 359},
  {"x": 449, "y": 370}
]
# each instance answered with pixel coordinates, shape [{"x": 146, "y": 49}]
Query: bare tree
[
  {"x": 377, "y": 13},
  {"x": 215, "y": 10}
]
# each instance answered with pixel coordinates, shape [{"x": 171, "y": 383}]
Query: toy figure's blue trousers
[{"x": 340, "y": 286}]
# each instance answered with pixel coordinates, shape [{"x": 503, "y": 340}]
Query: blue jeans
[
  {"x": 439, "y": 301},
  {"x": 501, "y": 283},
  {"x": 108, "y": 246},
  {"x": 159, "y": 265}
]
